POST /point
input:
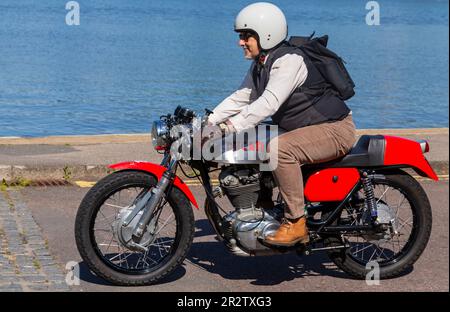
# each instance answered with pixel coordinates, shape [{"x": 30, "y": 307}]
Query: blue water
[{"x": 131, "y": 61}]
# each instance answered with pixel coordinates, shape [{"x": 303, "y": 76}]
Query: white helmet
[{"x": 265, "y": 19}]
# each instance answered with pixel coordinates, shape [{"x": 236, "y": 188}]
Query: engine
[
  {"x": 255, "y": 215},
  {"x": 241, "y": 185}
]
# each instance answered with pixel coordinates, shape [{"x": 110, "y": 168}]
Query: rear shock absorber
[{"x": 370, "y": 195}]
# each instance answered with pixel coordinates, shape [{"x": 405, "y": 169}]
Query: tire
[
  {"x": 420, "y": 233},
  {"x": 90, "y": 251}
]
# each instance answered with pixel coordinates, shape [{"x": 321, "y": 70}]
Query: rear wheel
[
  {"x": 405, "y": 213},
  {"x": 100, "y": 214}
]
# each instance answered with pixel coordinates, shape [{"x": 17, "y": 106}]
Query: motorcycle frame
[
  {"x": 394, "y": 160},
  {"x": 322, "y": 227}
]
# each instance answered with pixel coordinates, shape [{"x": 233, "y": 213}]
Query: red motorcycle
[{"x": 136, "y": 225}]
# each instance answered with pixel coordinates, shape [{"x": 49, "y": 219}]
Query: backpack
[{"x": 330, "y": 65}]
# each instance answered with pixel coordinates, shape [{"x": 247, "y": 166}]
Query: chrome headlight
[{"x": 160, "y": 134}]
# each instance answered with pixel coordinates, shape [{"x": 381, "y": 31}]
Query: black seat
[{"x": 368, "y": 151}]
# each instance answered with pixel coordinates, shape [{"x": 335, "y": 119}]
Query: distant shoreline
[{"x": 145, "y": 137}]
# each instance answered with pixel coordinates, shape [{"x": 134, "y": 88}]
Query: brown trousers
[{"x": 307, "y": 145}]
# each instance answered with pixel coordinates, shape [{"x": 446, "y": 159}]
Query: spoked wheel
[
  {"x": 404, "y": 214},
  {"x": 101, "y": 238}
]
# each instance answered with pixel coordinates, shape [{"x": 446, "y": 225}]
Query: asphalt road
[{"x": 209, "y": 266}]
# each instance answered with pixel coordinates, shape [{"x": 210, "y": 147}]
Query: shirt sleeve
[
  {"x": 233, "y": 104},
  {"x": 287, "y": 74}
]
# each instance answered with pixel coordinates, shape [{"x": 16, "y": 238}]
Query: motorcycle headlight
[{"x": 160, "y": 134}]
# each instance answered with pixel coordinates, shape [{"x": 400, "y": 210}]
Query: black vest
[{"x": 314, "y": 102}]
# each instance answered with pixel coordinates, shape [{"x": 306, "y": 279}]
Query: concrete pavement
[
  {"x": 209, "y": 267},
  {"x": 36, "y": 225}
]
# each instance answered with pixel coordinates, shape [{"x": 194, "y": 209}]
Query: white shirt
[{"x": 287, "y": 74}]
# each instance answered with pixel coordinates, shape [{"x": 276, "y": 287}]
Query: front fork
[{"x": 151, "y": 200}]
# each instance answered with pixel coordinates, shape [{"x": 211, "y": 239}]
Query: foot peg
[{"x": 304, "y": 250}]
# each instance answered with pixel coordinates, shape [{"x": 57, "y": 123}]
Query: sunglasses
[{"x": 245, "y": 35}]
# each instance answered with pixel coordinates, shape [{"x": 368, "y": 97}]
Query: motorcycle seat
[{"x": 368, "y": 151}]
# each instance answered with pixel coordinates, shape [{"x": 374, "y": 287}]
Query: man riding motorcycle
[
  {"x": 135, "y": 226},
  {"x": 282, "y": 83}
]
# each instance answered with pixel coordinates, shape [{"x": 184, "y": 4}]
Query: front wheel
[
  {"x": 405, "y": 213},
  {"x": 99, "y": 219}
]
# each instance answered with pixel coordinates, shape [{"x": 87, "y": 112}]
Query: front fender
[
  {"x": 401, "y": 151},
  {"x": 157, "y": 171}
]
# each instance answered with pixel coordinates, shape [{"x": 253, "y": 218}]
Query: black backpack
[{"x": 330, "y": 65}]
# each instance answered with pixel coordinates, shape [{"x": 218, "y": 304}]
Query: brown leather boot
[{"x": 290, "y": 233}]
